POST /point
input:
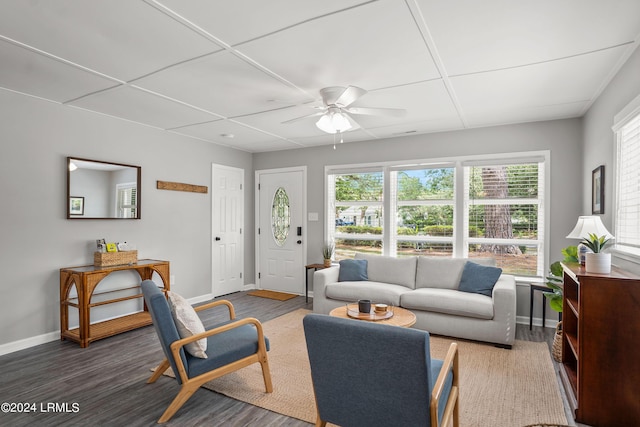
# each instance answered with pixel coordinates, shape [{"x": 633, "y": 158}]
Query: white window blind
[
  {"x": 505, "y": 215},
  {"x": 484, "y": 206},
  {"x": 627, "y": 225},
  {"x": 127, "y": 195}
]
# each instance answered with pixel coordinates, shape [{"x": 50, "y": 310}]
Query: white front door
[
  {"x": 281, "y": 230},
  {"x": 227, "y": 219}
]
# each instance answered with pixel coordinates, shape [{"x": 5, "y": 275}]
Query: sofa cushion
[
  {"x": 386, "y": 269},
  {"x": 444, "y": 273},
  {"x": 382, "y": 293},
  {"x": 352, "y": 270},
  {"x": 448, "y": 301},
  {"x": 479, "y": 279}
]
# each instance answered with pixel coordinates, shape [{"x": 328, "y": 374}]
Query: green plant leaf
[
  {"x": 570, "y": 254},
  {"x": 595, "y": 243},
  {"x": 556, "y": 269},
  {"x": 556, "y": 304}
]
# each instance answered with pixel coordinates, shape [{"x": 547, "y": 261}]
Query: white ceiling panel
[
  {"x": 502, "y": 116},
  {"x": 139, "y": 106},
  {"x": 26, "y": 71},
  {"x": 121, "y": 38},
  {"x": 226, "y": 132},
  {"x": 413, "y": 128},
  {"x": 566, "y": 81},
  {"x": 275, "y": 119},
  {"x": 372, "y": 46},
  {"x": 242, "y": 20},
  {"x": 426, "y": 101},
  {"x": 224, "y": 84},
  {"x": 205, "y": 68},
  {"x": 326, "y": 139},
  {"x": 476, "y": 36}
]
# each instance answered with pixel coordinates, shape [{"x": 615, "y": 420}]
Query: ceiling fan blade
[
  {"x": 389, "y": 112},
  {"x": 349, "y": 96},
  {"x": 331, "y": 94},
  {"x": 308, "y": 116},
  {"x": 354, "y": 124}
]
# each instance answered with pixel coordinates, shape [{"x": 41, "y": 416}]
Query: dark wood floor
[{"x": 106, "y": 382}]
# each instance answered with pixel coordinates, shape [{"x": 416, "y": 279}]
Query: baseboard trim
[
  {"x": 537, "y": 321},
  {"x": 28, "y": 342}
]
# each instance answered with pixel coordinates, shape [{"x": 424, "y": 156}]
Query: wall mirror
[{"x": 102, "y": 190}]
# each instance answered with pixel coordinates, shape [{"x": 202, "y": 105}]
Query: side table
[
  {"x": 308, "y": 267},
  {"x": 401, "y": 316},
  {"x": 543, "y": 289}
]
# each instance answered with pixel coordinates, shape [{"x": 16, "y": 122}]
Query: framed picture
[
  {"x": 597, "y": 190},
  {"x": 76, "y": 205}
]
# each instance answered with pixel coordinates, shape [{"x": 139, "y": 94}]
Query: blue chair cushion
[
  {"x": 162, "y": 321},
  {"x": 479, "y": 279},
  {"x": 225, "y": 348},
  {"x": 353, "y": 270},
  {"x": 222, "y": 348},
  {"x": 357, "y": 378}
]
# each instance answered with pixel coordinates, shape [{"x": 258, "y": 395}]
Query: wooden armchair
[
  {"x": 230, "y": 346},
  {"x": 367, "y": 374}
]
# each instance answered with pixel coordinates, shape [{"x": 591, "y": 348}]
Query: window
[
  {"x": 355, "y": 212},
  {"x": 504, "y": 215},
  {"x": 627, "y": 209},
  {"x": 457, "y": 208},
  {"x": 424, "y": 204},
  {"x": 127, "y": 200}
]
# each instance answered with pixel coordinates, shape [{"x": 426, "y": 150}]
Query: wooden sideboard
[
  {"x": 86, "y": 279},
  {"x": 601, "y": 345}
]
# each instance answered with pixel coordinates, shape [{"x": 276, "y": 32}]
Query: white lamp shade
[
  {"x": 589, "y": 225},
  {"x": 333, "y": 122}
]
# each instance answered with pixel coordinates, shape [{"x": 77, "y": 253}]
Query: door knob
[
  {"x": 217, "y": 238},
  {"x": 299, "y": 242}
]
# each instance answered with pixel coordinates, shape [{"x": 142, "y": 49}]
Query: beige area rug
[
  {"x": 498, "y": 387},
  {"x": 280, "y": 296}
]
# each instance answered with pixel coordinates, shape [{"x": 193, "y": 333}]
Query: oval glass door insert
[{"x": 280, "y": 216}]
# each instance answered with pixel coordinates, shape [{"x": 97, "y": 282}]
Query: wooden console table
[{"x": 86, "y": 279}]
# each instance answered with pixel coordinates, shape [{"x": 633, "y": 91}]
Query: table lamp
[{"x": 587, "y": 224}]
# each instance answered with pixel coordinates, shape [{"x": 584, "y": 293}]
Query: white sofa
[{"x": 428, "y": 286}]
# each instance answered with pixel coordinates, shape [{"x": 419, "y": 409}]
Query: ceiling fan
[{"x": 335, "y": 116}]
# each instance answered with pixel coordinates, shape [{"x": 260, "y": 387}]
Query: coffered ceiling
[{"x": 231, "y": 72}]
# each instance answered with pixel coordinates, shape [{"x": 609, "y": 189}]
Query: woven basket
[
  {"x": 556, "y": 348},
  {"x": 106, "y": 259}
]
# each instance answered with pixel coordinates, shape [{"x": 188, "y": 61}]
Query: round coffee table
[{"x": 401, "y": 316}]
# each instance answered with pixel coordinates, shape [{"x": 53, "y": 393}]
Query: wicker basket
[
  {"x": 556, "y": 348},
  {"x": 106, "y": 259}
]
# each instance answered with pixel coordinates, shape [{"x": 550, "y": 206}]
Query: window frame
[
  {"x": 629, "y": 113},
  {"x": 460, "y": 225}
]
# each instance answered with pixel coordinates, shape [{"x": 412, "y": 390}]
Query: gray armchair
[
  {"x": 230, "y": 346},
  {"x": 367, "y": 374}
]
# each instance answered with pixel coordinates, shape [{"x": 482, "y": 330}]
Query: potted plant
[
  {"x": 554, "y": 282},
  {"x": 327, "y": 253},
  {"x": 597, "y": 261}
]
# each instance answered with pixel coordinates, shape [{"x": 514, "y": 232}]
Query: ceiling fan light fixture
[{"x": 333, "y": 121}]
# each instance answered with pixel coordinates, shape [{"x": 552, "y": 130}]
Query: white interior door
[
  {"x": 281, "y": 230},
  {"x": 227, "y": 219}
]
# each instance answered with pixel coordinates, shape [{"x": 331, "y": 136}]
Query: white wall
[
  {"x": 561, "y": 137},
  {"x": 37, "y": 239},
  {"x": 37, "y": 136},
  {"x": 599, "y": 139}
]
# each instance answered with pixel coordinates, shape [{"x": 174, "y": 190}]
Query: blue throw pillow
[
  {"x": 479, "y": 279},
  {"x": 353, "y": 270}
]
